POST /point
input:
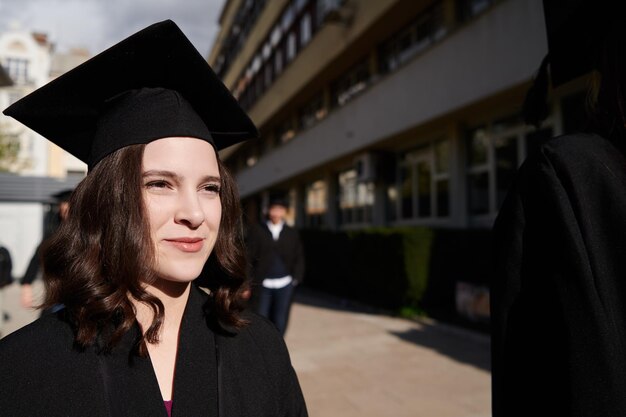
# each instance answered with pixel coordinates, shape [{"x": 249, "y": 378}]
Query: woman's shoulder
[
  {"x": 259, "y": 339},
  {"x": 261, "y": 332},
  {"x": 49, "y": 332},
  {"x": 580, "y": 149},
  {"x": 579, "y": 159},
  {"x": 32, "y": 355}
]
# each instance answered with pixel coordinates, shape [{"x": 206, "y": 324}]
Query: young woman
[{"x": 156, "y": 211}]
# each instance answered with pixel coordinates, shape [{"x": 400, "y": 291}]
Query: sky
[{"x": 98, "y": 24}]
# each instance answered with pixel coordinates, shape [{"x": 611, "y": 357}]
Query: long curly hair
[{"x": 102, "y": 254}]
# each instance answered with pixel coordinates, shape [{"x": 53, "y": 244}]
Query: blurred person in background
[
  {"x": 137, "y": 337},
  {"x": 6, "y": 278},
  {"x": 33, "y": 271},
  {"x": 277, "y": 264},
  {"x": 559, "y": 294}
]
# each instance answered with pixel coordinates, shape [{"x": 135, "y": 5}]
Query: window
[
  {"x": 276, "y": 36},
  {"x": 316, "y": 207},
  {"x": 417, "y": 36},
  {"x": 300, "y": 4},
  {"x": 350, "y": 84},
  {"x": 244, "y": 20},
  {"x": 285, "y": 131},
  {"x": 494, "y": 152},
  {"x": 288, "y": 17},
  {"x": 478, "y": 171},
  {"x": 470, "y": 8},
  {"x": 305, "y": 29},
  {"x": 291, "y": 46},
  {"x": 312, "y": 112},
  {"x": 356, "y": 199},
  {"x": 326, "y": 7},
  {"x": 422, "y": 189},
  {"x": 278, "y": 62},
  {"x": 17, "y": 69}
]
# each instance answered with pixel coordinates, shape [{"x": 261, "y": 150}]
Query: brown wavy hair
[{"x": 103, "y": 253}]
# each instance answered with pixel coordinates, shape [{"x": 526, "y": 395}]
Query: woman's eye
[
  {"x": 156, "y": 184},
  {"x": 212, "y": 188}
]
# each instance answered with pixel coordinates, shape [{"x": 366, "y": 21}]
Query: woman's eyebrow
[
  {"x": 160, "y": 173},
  {"x": 210, "y": 178},
  {"x": 174, "y": 176}
]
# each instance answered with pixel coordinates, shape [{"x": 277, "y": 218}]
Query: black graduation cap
[
  {"x": 63, "y": 195},
  {"x": 575, "y": 29},
  {"x": 152, "y": 85}
]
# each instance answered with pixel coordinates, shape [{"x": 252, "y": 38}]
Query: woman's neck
[
  {"x": 173, "y": 296},
  {"x": 163, "y": 354}
]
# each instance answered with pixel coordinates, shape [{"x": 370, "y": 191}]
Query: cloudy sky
[{"x": 98, "y": 24}]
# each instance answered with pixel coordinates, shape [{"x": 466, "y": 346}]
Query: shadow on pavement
[
  {"x": 465, "y": 346},
  {"x": 458, "y": 344},
  {"x": 315, "y": 298}
]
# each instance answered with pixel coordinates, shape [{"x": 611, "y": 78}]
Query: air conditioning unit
[{"x": 366, "y": 166}]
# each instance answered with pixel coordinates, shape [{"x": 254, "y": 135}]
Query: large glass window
[
  {"x": 418, "y": 35},
  {"x": 350, "y": 84},
  {"x": 316, "y": 203},
  {"x": 423, "y": 188},
  {"x": 494, "y": 152},
  {"x": 356, "y": 199}
]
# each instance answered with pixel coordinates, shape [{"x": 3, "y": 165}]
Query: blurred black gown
[
  {"x": 559, "y": 292},
  {"x": 247, "y": 373}
]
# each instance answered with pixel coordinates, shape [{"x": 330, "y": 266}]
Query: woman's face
[{"x": 181, "y": 184}]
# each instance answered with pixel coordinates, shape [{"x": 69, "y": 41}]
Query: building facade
[
  {"x": 385, "y": 112},
  {"x": 39, "y": 168},
  {"x": 31, "y": 61}
]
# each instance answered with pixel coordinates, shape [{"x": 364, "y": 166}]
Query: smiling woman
[{"x": 156, "y": 211}]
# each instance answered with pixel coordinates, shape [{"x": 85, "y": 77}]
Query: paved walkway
[{"x": 356, "y": 363}]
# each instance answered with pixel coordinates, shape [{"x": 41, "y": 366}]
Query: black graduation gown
[
  {"x": 247, "y": 373},
  {"x": 559, "y": 292}
]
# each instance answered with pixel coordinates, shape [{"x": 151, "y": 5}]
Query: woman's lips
[{"x": 187, "y": 244}]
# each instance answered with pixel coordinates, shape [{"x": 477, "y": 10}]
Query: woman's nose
[{"x": 189, "y": 210}]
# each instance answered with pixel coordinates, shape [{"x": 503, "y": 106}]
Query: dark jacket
[
  {"x": 559, "y": 292},
  {"x": 261, "y": 247},
  {"x": 217, "y": 374},
  {"x": 6, "y": 268},
  {"x": 34, "y": 265}
]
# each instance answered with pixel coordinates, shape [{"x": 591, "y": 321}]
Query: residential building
[
  {"x": 31, "y": 61},
  {"x": 40, "y": 168}
]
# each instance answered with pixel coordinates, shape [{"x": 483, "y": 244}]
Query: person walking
[
  {"x": 33, "y": 271},
  {"x": 277, "y": 264},
  {"x": 6, "y": 278}
]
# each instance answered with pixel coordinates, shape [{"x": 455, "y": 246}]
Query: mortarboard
[
  {"x": 63, "y": 195},
  {"x": 576, "y": 33},
  {"x": 153, "y": 84},
  {"x": 574, "y": 28}
]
